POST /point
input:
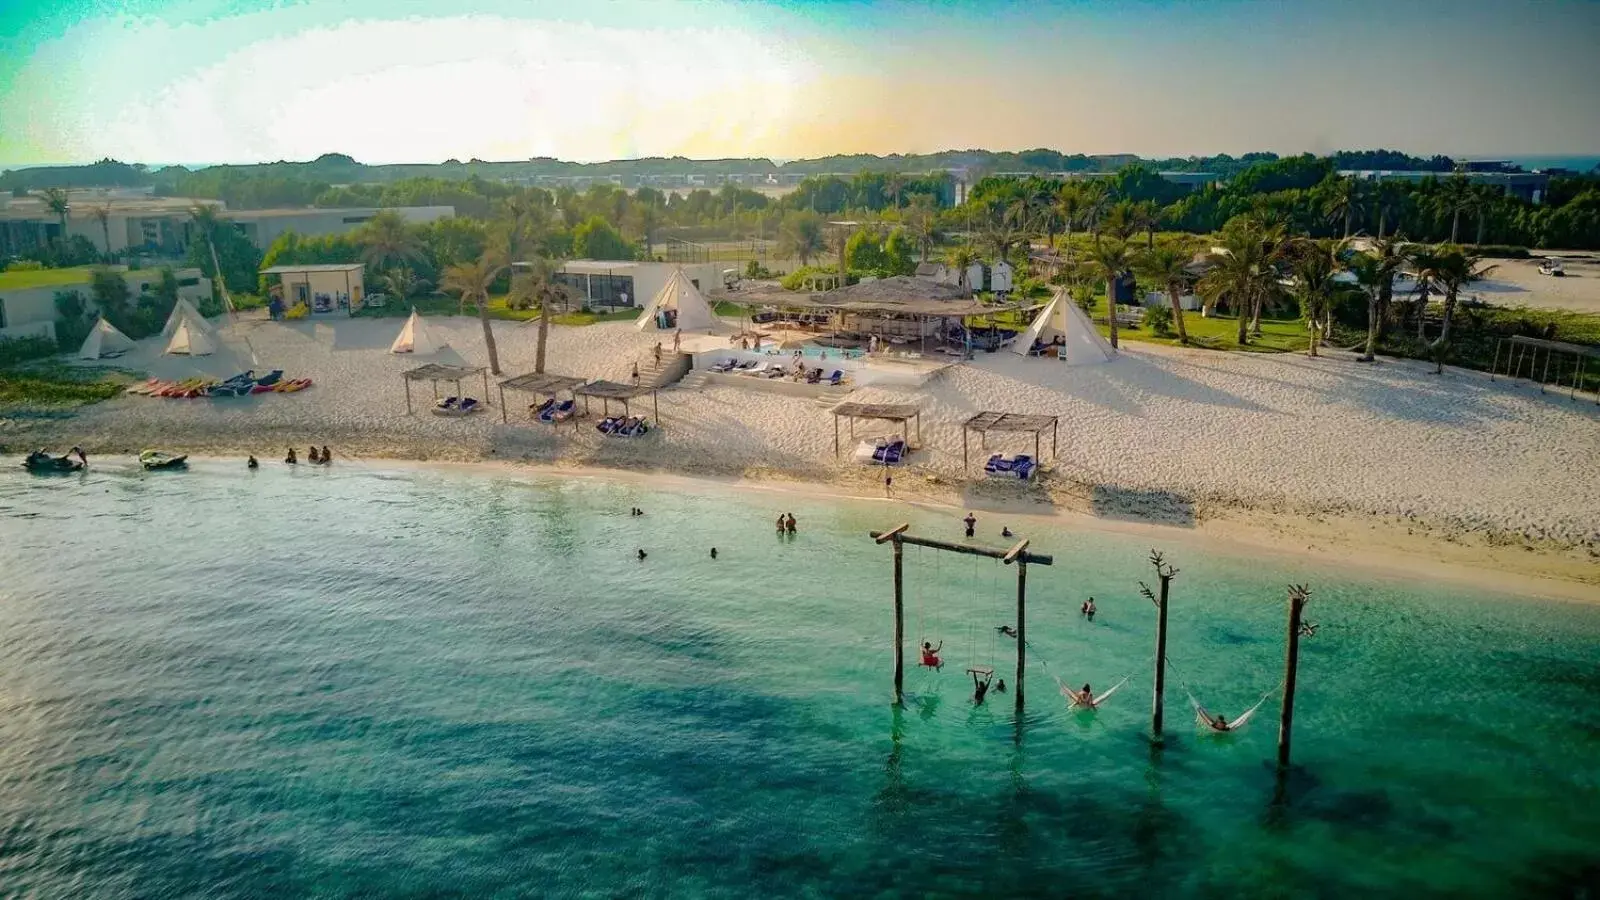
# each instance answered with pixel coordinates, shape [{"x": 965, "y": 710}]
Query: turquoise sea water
[{"x": 360, "y": 683}]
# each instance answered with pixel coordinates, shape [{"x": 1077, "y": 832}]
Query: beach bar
[
  {"x": 540, "y": 384},
  {"x": 436, "y": 373},
  {"x": 993, "y": 420},
  {"x": 889, "y": 412}
]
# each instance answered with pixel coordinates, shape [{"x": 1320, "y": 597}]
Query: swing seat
[{"x": 981, "y": 670}]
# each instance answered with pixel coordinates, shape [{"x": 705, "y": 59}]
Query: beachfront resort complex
[{"x": 1001, "y": 523}]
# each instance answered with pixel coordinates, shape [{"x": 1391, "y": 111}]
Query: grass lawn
[
  {"x": 57, "y": 384},
  {"x": 1217, "y": 333},
  {"x": 16, "y": 281}
]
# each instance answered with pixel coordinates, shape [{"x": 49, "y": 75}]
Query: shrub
[
  {"x": 1159, "y": 318},
  {"x": 23, "y": 349},
  {"x": 24, "y": 265},
  {"x": 1500, "y": 251}
]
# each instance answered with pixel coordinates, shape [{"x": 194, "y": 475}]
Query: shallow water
[{"x": 357, "y": 682}]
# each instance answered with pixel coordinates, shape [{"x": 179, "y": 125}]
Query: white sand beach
[{"x": 1174, "y": 436}]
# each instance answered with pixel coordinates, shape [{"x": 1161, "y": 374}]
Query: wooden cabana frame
[
  {"x": 436, "y": 373},
  {"x": 1526, "y": 349},
  {"x": 994, "y": 420},
  {"x": 540, "y": 384},
  {"x": 889, "y": 412},
  {"x": 608, "y": 391}
]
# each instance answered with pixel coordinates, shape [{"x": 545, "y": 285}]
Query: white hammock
[
  {"x": 1207, "y": 719},
  {"x": 1076, "y": 700}
]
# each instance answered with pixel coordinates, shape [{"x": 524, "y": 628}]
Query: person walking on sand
[
  {"x": 677, "y": 340},
  {"x": 888, "y": 483},
  {"x": 636, "y": 372},
  {"x": 657, "y": 352}
]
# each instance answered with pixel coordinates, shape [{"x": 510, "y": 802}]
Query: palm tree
[
  {"x": 102, "y": 214},
  {"x": 1343, "y": 198},
  {"x": 387, "y": 240},
  {"x": 1146, "y": 216},
  {"x": 1455, "y": 197},
  {"x": 1121, "y": 220},
  {"x": 471, "y": 281},
  {"x": 1096, "y": 199},
  {"x": 1452, "y": 268},
  {"x": 1387, "y": 197},
  {"x": 922, "y": 219},
  {"x": 961, "y": 259},
  {"x": 1375, "y": 271},
  {"x": 1069, "y": 207},
  {"x": 1243, "y": 272},
  {"x": 207, "y": 219},
  {"x": 401, "y": 283},
  {"x": 536, "y": 284},
  {"x": 646, "y": 219},
  {"x": 1487, "y": 195},
  {"x": 894, "y": 183},
  {"x": 801, "y": 237},
  {"x": 1113, "y": 257},
  {"x": 55, "y": 199},
  {"x": 1314, "y": 264},
  {"x": 1168, "y": 267},
  {"x": 1423, "y": 260}
]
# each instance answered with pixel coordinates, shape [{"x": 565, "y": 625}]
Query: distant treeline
[{"x": 299, "y": 183}]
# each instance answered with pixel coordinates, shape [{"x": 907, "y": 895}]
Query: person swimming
[
  {"x": 980, "y": 687},
  {"x": 930, "y": 655},
  {"x": 1005, "y": 531},
  {"x": 250, "y": 463},
  {"x": 713, "y": 553},
  {"x": 1006, "y": 630},
  {"x": 642, "y": 555},
  {"x": 290, "y": 459},
  {"x": 1001, "y": 687}
]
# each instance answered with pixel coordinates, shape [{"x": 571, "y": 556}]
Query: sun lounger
[
  {"x": 724, "y": 365},
  {"x": 556, "y": 412},
  {"x": 837, "y": 378},
  {"x": 1021, "y": 467},
  {"x": 461, "y": 407}
]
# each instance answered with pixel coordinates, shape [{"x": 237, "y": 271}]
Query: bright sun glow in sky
[{"x": 425, "y": 80}]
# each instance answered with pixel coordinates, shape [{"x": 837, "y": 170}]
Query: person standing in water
[
  {"x": 788, "y": 523},
  {"x": 971, "y": 521},
  {"x": 327, "y": 455},
  {"x": 290, "y": 459},
  {"x": 1088, "y": 609},
  {"x": 781, "y": 523},
  {"x": 312, "y": 454}
]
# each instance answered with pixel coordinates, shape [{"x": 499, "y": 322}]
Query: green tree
[
  {"x": 1113, "y": 258},
  {"x": 899, "y": 254},
  {"x": 863, "y": 253},
  {"x": 1456, "y": 196},
  {"x": 452, "y": 240},
  {"x": 961, "y": 259},
  {"x": 1145, "y": 216},
  {"x": 110, "y": 292},
  {"x": 922, "y": 219},
  {"x": 55, "y": 199},
  {"x": 388, "y": 240},
  {"x": 1069, "y": 205},
  {"x": 1343, "y": 198},
  {"x": 402, "y": 284},
  {"x": 102, "y": 214},
  {"x": 471, "y": 281},
  {"x": 595, "y": 238},
  {"x": 1314, "y": 264},
  {"x": 536, "y": 284},
  {"x": 1452, "y": 268},
  {"x": 1168, "y": 267},
  {"x": 1375, "y": 270},
  {"x": 800, "y": 237},
  {"x": 1388, "y": 197},
  {"x": 1242, "y": 273}
]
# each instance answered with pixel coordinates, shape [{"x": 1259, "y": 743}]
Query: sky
[{"x": 209, "y": 81}]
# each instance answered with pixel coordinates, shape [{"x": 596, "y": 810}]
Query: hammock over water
[
  {"x": 1202, "y": 717},
  {"x": 1075, "y": 699}
]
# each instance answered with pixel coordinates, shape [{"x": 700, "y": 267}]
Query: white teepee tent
[
  {"x": 104, "y": 340},
  {"x": 415, "y": 337},
  {"x": 1081, "y": 342},
  {"x": 185, "y": 309},
  {"x": 189, "y": 338},
  {"x": 680, "y": 294}
]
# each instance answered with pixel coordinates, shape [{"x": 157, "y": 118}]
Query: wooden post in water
[
  {"x": 893, "y": 535},
  {"x": 1298, "y": 595},
  {"x": 1166, "y": 573},
  {"x": 1015, "y": 554}
]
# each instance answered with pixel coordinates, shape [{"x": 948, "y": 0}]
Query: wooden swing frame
[{"x": 1018, "y": 555}]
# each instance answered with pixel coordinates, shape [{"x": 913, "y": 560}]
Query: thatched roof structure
[{"x": 900, "y": 295}]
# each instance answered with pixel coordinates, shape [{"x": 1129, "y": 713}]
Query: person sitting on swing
[
  {"x": 930, "y": 655},
  {"x": 980, "y": 687}
]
